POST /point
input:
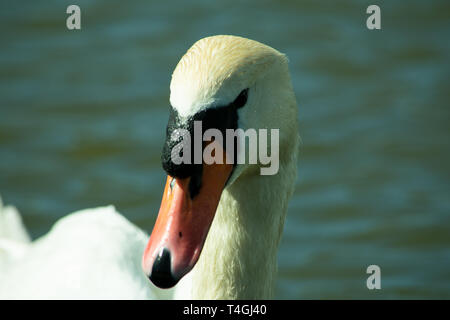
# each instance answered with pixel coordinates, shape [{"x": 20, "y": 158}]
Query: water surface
[{"x": 83, "y": 113}]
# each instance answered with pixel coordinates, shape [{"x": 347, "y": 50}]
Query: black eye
[{"x": 241, "y": 99}]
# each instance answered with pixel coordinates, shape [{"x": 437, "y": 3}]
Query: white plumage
[{"x": 89, "y": 254}]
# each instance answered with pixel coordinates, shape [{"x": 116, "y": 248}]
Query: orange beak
[{"x": 182, "y": 225}]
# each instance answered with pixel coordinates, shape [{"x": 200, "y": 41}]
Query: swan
[{"x": 219, "y": 225}]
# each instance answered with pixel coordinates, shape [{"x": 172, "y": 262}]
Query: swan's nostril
[{"x": 161, "y": 274}]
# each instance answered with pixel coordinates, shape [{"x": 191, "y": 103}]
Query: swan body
[
  {"x": 96, "y": 253},
  {"x": 90, "y": 254}
]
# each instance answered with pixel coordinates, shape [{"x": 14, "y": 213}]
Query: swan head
[{"x": 221, "y": 83}]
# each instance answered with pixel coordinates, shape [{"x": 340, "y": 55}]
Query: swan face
[
  {"x": 216, "y": 70},
  {"x": 226, "y": 82}
]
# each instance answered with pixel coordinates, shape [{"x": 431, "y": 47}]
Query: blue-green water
[{"x": 83, "y": 113}]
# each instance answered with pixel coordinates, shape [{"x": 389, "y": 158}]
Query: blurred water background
[{"x": 83, "y": 114}]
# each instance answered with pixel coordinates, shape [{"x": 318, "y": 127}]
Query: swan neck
[{"x": 239, "y": 259}]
